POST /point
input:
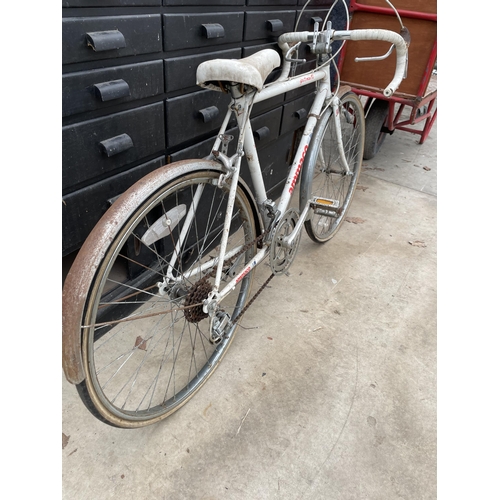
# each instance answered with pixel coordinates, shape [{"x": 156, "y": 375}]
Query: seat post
[{"x": 243, "y": 98}]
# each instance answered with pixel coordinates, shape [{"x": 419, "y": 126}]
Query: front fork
[
  {"x": 289, "y": 240},
  {"x": 337, "y": 109}
]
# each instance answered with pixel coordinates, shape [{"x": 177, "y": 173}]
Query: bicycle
[{"x": 154, "y": 297}]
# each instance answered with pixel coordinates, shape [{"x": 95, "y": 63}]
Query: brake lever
[
  {"x": 293, "y": 48},
  {"x": 321, "y": 43},
  {"x": 375, "y": 58}
]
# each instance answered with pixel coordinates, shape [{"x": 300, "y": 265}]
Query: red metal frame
[
  {"x": 386, "y": 10},
  {"x": 417, "y": 115},
  {"x": 416, "y": 103}
]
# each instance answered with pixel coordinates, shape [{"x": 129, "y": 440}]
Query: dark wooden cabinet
[{"x": 130, "y": 103}]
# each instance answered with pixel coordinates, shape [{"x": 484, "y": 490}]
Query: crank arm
[{"x": 289, "y": 240}]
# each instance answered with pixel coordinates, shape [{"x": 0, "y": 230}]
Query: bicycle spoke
[
  {"x": 147, "y": 355},
  {"x": 331, "y": 179}
]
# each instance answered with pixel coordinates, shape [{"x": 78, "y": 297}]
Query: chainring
[{"x": 281, "y": 257}]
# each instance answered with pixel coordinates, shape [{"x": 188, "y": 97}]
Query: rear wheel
[
  {"x": 324, "y": 176},
  {"x": 146, "y": 341}
]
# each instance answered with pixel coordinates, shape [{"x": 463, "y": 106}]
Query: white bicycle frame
[
  {"x": 246, "y": 145},
  {"x": 323, "y": 95}
]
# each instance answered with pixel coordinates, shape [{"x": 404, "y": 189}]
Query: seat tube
[{"x": 254, "y": 165}]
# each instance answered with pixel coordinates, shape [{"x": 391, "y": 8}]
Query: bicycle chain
[{"x": 250, "y": 302}]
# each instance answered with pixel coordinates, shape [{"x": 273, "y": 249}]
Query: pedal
[{"x": 325, "y": 206}]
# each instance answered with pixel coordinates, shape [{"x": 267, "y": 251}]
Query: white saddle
[{"x": 252, "y": 70}]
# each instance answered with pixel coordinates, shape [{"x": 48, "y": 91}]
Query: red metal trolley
[{"x": 415, "y": 102}]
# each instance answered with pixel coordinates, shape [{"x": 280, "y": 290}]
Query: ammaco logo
[{"x": 297, "y": 172}]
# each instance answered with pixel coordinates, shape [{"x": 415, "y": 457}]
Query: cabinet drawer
[
  {"x": 180, "y": 72},
  {"x": 271, "y": 2},
  {"x": 319, "y": 2},
  {"x": 306, "y": 23},
  {"x": 194, "y": 115},
  {"x": 275, "y": 164},
  {"x": 272, "y": 155},
  {"x": 248, "y": 51},
  {"x": 269, "y": 24},
  {"x": 82, "y": 209},
  {"x": 94, "y": 148},
  {"x": 309, "y": 17},
  {"x": 197, "y": 151},
  {"x": 273, "y": 102},
  {"x": 94, "y": 38},
  {"x": 295, "y": 113},
  {"x": 100, "y": 88},
  {"x": 184, "y": 31},
  {"x": 266, "y": 129},
  {"x": 108, "y": 3},
  {"x": 202, "y": 3}
]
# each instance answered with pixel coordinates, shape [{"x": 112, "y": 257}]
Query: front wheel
[
  {"x": 323, "y": 174},
  {"x": 147, "y": 346}
]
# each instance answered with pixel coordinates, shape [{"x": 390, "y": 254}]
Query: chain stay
[{"x": 199, "y": 286}]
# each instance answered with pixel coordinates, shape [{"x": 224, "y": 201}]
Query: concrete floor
[{"x": 329, "y": 392}]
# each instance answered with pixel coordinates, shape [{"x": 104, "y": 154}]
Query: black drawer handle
[
  {"x": 274, "y": 25},
  {"x": 261, "y": 133},
  {"x": 315, "y": 19},
  {"x": 106, "y": 40},
  {"x": 300, "y": 113},
  {"x": 213, "y": 30},
  {"x": 107, "y": 91},
  {"x": 208, "y": 114},
  {"x": 115, "y": 145}
]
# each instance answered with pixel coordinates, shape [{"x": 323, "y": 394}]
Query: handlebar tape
[
  {"x": 357, "y": 35},
  {"x": 401, "y": 51}
]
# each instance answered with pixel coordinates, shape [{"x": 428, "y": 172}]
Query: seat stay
[
  {"x": 185, "y": 228},
  {"x": 222, "y": 130}
]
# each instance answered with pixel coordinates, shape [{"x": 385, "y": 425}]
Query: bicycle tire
[
  {"x": 375, "y": 120},
  {"x": 145, "y": 355},
  {"x": 322, "y": 174}
]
